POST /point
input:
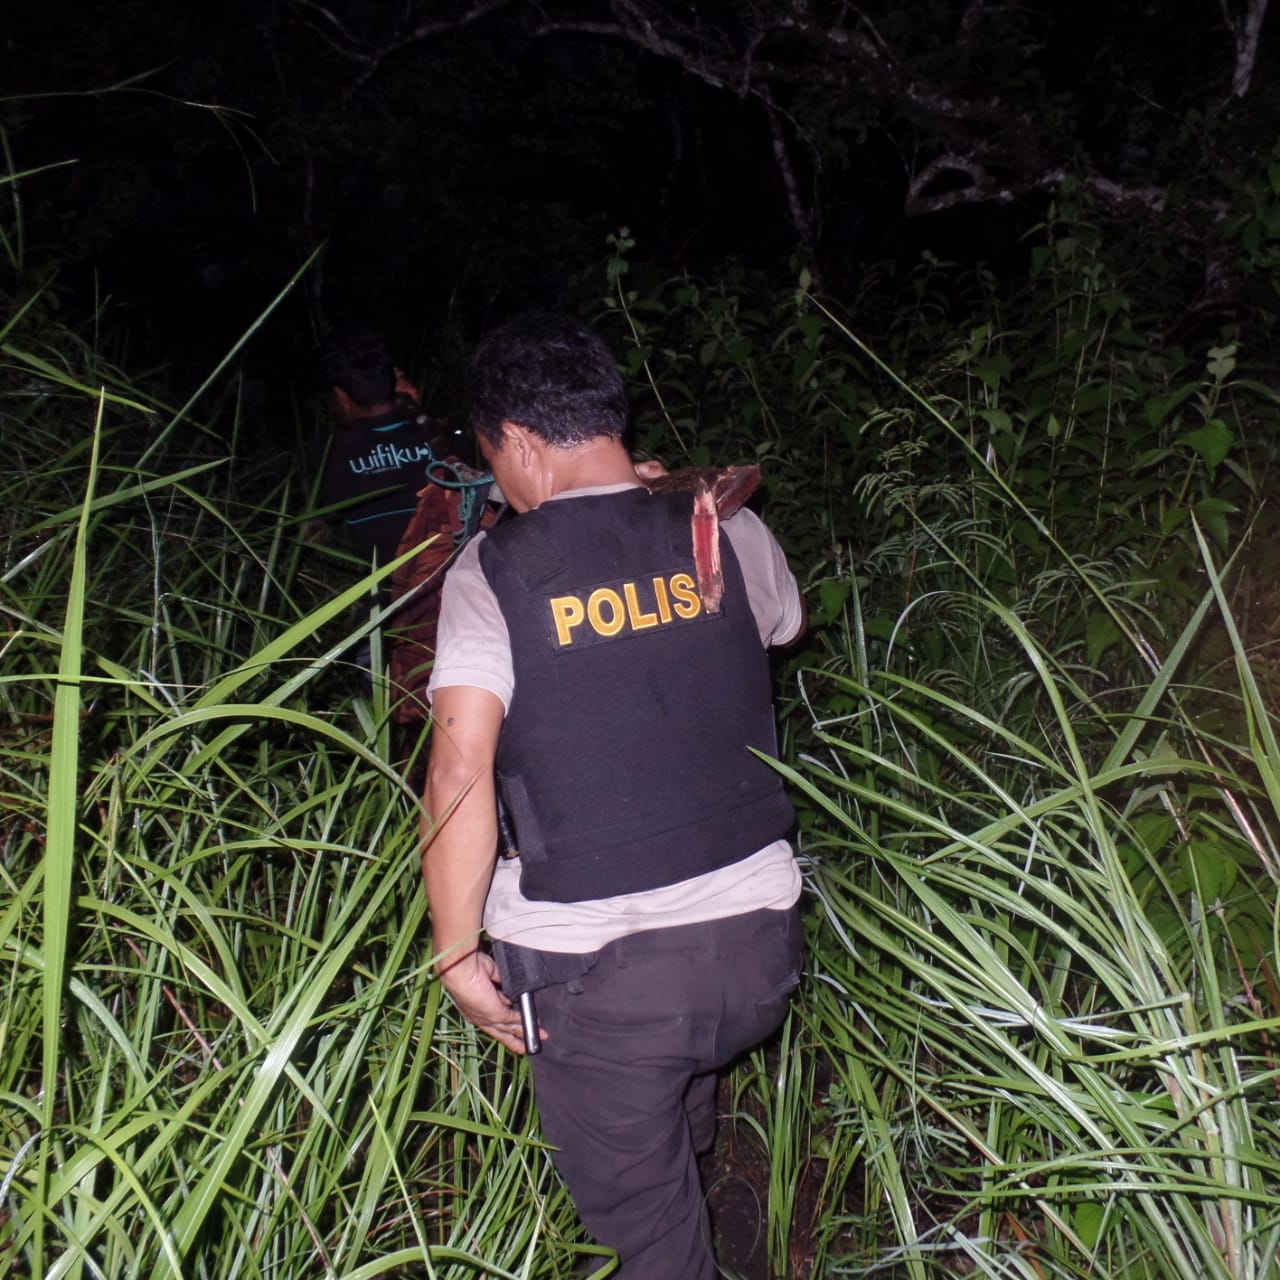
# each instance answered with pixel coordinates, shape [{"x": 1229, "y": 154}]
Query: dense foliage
[
  {"x": 1031, "y": 735},
  {"x": 1036, "y": 750}
]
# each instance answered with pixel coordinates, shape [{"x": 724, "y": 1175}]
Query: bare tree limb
[
  {"x": 429, "y": 30},
  {"x": 981, "y": 188},
  {"x": 643, "y": 37},
  {"x": 1152, "y": 198},
  {"x": 987, "y": 148},
  {"x": 325, "y": 24},
  {"x": 425, "y": 31},
  {"x": 1246, "y": 31},
  {"x": 802, "y": 219}
]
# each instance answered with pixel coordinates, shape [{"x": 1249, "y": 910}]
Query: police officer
[{"x": 579, "y": 671}]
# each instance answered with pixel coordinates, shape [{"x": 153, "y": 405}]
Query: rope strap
[{"x": 469, "y": 483}]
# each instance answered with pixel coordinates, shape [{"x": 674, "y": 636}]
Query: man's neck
[
  {"x": 602, "y": 461},
  {"x": 363, "y": 413}
]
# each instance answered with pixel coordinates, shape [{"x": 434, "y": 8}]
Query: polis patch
[{"x": 630, "y": 607}]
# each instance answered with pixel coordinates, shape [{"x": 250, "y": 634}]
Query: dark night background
[{"x": 458, "y": 160}]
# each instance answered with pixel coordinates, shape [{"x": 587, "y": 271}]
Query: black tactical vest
[{"x": 624, "y": 759}]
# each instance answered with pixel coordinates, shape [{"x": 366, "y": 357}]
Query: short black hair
[
  {"x": 549, "y": 373},
  {"x": 357, "y": 361}
]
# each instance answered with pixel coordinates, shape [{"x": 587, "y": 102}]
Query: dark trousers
[{"x": 626, "y": 1083}]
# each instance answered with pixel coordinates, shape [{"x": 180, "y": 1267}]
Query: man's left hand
[{"x": 650, "y": 469}]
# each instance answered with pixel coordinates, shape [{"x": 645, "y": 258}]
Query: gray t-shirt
[{"x": 473, "y": 649}]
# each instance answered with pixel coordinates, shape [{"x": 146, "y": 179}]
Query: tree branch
[
  {"x": 989, "y": 150},
  {"x": 981, "y": 188},
  {"x": 801, "y": 213},
  {"x": 326, "y": 24},
  {"x": 1246, "y": 31},
  {"x": 425, "y": 31}
]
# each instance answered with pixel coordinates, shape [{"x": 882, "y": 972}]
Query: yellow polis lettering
[
  {"x": 598, "y": 598},
  {"x": 664, "y": 605},
  {"x": 613, "y": 611},
  {"x": 640, "y": 621},
  {"x": 567, "y": 613},
  {"x": 688, "y": 603}
]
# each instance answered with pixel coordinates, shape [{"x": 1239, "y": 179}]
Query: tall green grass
[
  {"x": 1049, "y": 966},
  {"x": 222, "y": 1053},
  {"x": 1038, "y": 813},
  {"x": 1034, "y": 758}
]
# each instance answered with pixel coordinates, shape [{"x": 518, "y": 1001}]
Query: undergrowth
[{"x": 1032, "y": 749}]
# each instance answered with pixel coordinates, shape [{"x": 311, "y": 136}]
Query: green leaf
[
  {"x": 1213, "y": 867},
  {"x": 832, "y": 595},
  {"x": 1212, "y": 514},
  {"x": 1222, "y": 360},
  {"x": 1126, "y": 337},
  {"x": 1154, "y": 830},
  {"x": 1212, "y": 442},
  {"x": 810, "y": 326},
  {"x": 1101, "y": 633},
  {"x": 1158, "y": 408},
  {"x": 1089, "y": 1218},
  {"x": 1203, "y": 867}
]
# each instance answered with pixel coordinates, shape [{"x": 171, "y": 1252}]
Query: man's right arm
[{"x": 459, "y": 842}]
